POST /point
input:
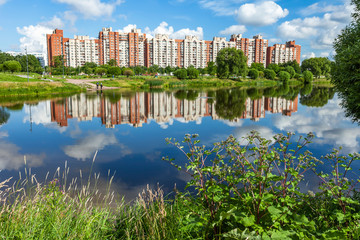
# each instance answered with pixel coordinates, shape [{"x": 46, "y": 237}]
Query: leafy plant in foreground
[{"x": 252, "y": 191}]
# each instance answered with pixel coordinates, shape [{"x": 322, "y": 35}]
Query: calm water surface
[{"x": 129, "y": 130}]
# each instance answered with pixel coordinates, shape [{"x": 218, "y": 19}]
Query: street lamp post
[{"x": 27, "y": 64}]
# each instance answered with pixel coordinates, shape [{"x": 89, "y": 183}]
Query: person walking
[
  {"x": 101, "y": 86},
  {"x": 97, "y": 85}
]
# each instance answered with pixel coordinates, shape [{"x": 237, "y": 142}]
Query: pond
[{"x": 128, "y": 130}]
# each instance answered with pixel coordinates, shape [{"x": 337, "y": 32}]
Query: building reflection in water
[{"x": 159, "y": 106}]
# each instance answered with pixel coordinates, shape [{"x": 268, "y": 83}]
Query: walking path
[{"x": 88, "y": 83}]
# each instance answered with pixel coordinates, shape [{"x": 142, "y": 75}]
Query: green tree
[
  {"x": 270, "y": 74},
  {"x": 290, "y": 70},
  {"x": 114, "y": 71},
  {"x": 318, "y": 66},
  {"x": 253, "y": 73},
  {"x": 284, "y": 76},
  {"x": 211, "y": 68},
  {"x": 5, "y": 57},
  {"x": 12, "y": 66},
  {"x": 4, "y": 115},
  {"x": 100, "y": 71},
  {"x": 257, "y": 66},
  {"x": 33, "y": 63},
  {"x": 293, "y": 64},
  {"x": 192, "y": 72},
  {"x": 181, "y": 73},
  {"x": 230, "y": 104},
  {"x": 128, "y": 72},
  {"x": 112, "y": 62},
  {"x": 274, "y": 67},
  {"x": 308, "y": 76},
  {"x": 231, "y": 62},
  {"x": 345, "y": 70}
]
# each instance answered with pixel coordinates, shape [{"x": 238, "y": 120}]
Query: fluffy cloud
[
  {"x": 308, "y": 55},
  {"x": 127, "y": 28},
  {"x": 164, "y": 28},
  {"x": 86, "y": 147},
  {"x": 260, "y": 14},
  {"x": 327, "y": 123},
  {"x": 34, "y": 36},
  {"x": 40, "y": 114},
  {"x": 234, "y": 29},
  {"x": 92, "y": 8},
  {"x": 241, "y": 132},
  {"x": 322, "y": 30},
  {"x": 12, "y": 159}
]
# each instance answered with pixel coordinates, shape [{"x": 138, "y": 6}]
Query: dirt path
[{"x": 88, "y": 83}]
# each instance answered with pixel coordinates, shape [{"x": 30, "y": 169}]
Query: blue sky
[{"x": 314, "y": 25}]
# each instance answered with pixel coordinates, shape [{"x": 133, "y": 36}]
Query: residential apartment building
[
  {"x": 135, "y": 49},
  {"x": 254, "y": 49},
  {"x": 282, "y": 53}
]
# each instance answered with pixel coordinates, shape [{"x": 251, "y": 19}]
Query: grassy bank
[
  {"x": 239, "y": 192},
  {"x": 36, "y": 88},
  {"x": 169, "y": 82}
]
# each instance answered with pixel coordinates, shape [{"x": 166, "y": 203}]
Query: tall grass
[{"x": 78, "y": 209}]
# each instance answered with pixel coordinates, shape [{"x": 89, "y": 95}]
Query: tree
[
  {"x": 308, "y": 77},
  {"x": 269, "y": 74},
  {"x": 192, "y": 72},
  {"x": 112, "y": 62},
  {"x": 257, "y": 66},
  {"x": 181, "y": 73},
  {"x": 12, "y": 66},
  {"x": 318, "y": 66},
  {"x": 293, "y": 64},
  {"x": 231, "y": 62},
  {"x": 284, "y": 76},
  {"x": 345, "y": 70},
  {"x": 253, "y": 73},
  {"x": 290, "y": 70},
  {"x": 114, "y": 71},
  {"x": 128, "y": 72},
  {"x": 274, "y": 67},
  {"x": 211, "y": 68},
  {"x": 32, "y": 62},
  {"x": 100, "y": 71}
]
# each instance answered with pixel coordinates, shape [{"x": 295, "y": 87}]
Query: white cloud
[
  {"x": 70, "y": 17},
  {"x": 164, "y": 28},
  {"x": 234, "y": 29},
  {"x": 12, "y": 159},
  {"x": 4, "y": 134},
  {"x": 40, "y": 114},
  {"x": 260, "y": 14},
  {"x": 220, "y": 7},
  {"x": 86, "y": 147},
  {"x": 328, "y": 123},
  {"x": 241, "y": 133},
  {"x": 321, "y": 30},
  {"x": 324, "y": 54},
  {"x": 127, "y": 28},
  {"x": 2, "y": 2},
  {"x": 308, "y": 55},
  {"x": 34, "y": 36},
  {"x": 92, "y": 8}
]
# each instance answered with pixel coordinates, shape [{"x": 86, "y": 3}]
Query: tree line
[{"x": 9, "y": 63}]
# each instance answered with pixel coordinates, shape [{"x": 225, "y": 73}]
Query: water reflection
[
  {"x": 162, "y": 107},
  {"x": 128, "y": 128}
]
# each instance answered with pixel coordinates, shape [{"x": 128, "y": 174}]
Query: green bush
[
  {"x": 253, "y": 73},
  {"x": 252, "y": 191},
  {"x": 181, "y": 74},
  {"x": 284, "y": 76},
  {"x": 128, "y": 72},
  {"x": 308, "y": 76},
  {"x": 270, "y": 74}
]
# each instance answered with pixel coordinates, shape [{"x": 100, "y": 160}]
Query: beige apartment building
[{"x": 135, "y": 49}]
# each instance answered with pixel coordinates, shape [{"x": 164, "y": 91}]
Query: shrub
[
  {"x": 269, "y": 74},
  {"x": 253, "y": 73},
  {"x": 192, "y": 73},
  {"x": 128, "y": 72},
  {"x": 181, "y": 73},
  {"x": 290, "y": 70},
  {"x": 284, "y": 76},
  {"x": 308, "y": 76}
]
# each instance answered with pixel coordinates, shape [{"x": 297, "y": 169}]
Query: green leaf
[{"x": 248, "y": 221}]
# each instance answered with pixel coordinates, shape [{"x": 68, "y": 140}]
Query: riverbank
[{"x": 18, "y": 85}]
